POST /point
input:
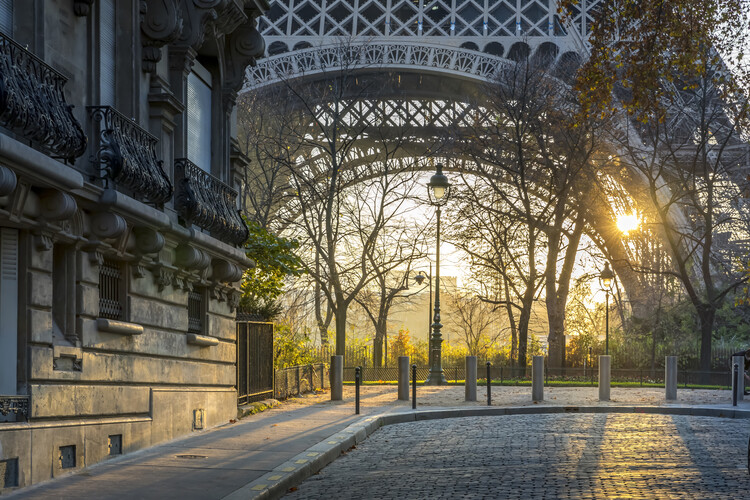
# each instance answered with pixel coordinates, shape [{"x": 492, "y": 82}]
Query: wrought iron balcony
[
  {"x": 127, "y": 156},
  {"x": 32, "y": 103},
  {"x": 14, "y": 404},
  {"x": 205, "y": 201}
]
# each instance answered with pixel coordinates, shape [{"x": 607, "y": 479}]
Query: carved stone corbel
[
  {"x": 82, "y": 8},
  {"x": 225, "y": 271},
  {"x": 107, "y": 225},
  {"x": 56, "y": 205},
  {"x": 161, "y": 25},
  {"x": 189, "y": 257},
  {"x": 234, "y": 300},
  {"x": 243, "y": 46},
  {"x": 139, "y": 270},
  {"x": 148, "y": 240},
  {"x": 8, "y": 181}
]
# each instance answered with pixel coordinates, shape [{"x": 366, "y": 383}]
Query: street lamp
[
  {"x": 606, "y": 278},
  {"x": 439, "y": 192}
]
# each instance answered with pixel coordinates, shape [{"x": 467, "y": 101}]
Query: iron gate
[{"x": 254, "y": 361}]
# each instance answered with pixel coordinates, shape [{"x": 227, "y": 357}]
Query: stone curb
[{"x": 276, "y": 483}]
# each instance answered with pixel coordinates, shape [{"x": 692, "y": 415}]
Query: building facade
[{"x": 120, "y": 239}]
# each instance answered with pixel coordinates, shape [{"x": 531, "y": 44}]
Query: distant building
[{"x": 120, "y": 240}]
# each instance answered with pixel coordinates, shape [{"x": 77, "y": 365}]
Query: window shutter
[
  {"x": 199, "y": 122},
  {"x": 8, "y": 309},
  {"x": 6, "y": 17},
  {"x": 107, "y": 34}
]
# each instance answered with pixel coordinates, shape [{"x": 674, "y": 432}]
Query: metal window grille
[
  {"x": 195, "y": 312},
  {"x": 110, "y": 290}
]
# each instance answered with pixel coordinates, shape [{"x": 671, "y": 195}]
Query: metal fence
[
  {"x": 297, "y": 380},
  {"x": 255, "y": 376}
]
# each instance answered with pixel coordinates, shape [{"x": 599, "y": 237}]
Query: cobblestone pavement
[{"x": 544, "y": 456}]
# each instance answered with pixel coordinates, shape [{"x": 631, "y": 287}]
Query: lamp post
[
  {"x": 606, "y": 278},
  {"x": 438, "y": 191}
]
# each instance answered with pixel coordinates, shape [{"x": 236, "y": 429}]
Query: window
[
  {"x": 8, "y": 309},
  {"x": 195, "y": 311},
  {"x": 107, "y": 34},
  {"x": 111, "y": 290},
  {"x": 6, "y": 17},
  {"x": 64, "y": 304},
  {"x": 199, "y": 117}
]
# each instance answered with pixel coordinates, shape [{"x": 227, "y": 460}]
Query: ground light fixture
[{"x": 439, "y": 192}]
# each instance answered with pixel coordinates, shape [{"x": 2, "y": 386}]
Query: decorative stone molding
[
  {"x": 148, "y": 240},
  {"x": 118, "y": 327},
  {"x": 56, "y": 205},
  {"x": 33, "y": 103},
  {"x": 82, "y": 8},
  {"x": 201, "y": 340},
  {"x": 161, "y": 25},
  {"x": 96, "y": 257},
  {"x": 163, "y": 277},
  {"x": 234, "y": 300},
  {"x": 43, "y": 242},
  {"x": 139, "y": 270},
  {"x": 8, "y": 181},
  {"x": 127, "y": 155},
  {"x": 108, "y": 225},
  {"x": 15, "y": 404}
]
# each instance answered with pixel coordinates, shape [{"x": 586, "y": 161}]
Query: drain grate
[{"x": 191, "y": 456}]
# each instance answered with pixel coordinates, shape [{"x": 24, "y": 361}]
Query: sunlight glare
[{"x": 627, "y": 223}]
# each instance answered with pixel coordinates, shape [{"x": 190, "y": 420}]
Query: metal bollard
[
  {"x": 736, "y": 384},
  {"x": 414, "y": 387},
  {"x": 357, "y": 381},
  {"x": 489, "y": 385}
]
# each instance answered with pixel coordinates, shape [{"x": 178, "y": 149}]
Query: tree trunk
[
  {"x": 377, "y": 348},
  {"x": 706, "y": 315},
  {"x": 340, "y": 329},
  {"x": 523, "y": 335}
]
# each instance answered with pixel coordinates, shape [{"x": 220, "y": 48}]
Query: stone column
[
  {"x": 403, "y": 378},
  {"x": 740, "y": 388},
  {"x": 537, "y": 378},
  {"x": 605, "y": 377},
  {"x": 470, "y": 384},
  {"x": 337, "y": 378},
  {"x": 670, "y": 377}
]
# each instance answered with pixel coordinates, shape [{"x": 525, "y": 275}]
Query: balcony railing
[
  {"x": 32, "y": 103},
  {"x": 14, "y": 404},
  {"x": 205, "y": 201},
  {"x": 127, "y": 156}
]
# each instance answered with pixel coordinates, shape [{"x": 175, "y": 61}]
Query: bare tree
[{"x": 475, "y": 321}]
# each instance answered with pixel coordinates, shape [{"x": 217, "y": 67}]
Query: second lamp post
[{"x": 439, "y": 191}]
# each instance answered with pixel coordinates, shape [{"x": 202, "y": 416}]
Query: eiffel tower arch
[{"x": 442, "y": 50}]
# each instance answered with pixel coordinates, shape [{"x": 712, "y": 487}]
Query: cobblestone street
[{"x": 544, "y": 456}]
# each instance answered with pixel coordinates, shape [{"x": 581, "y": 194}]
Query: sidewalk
[{"x": 301, "y": 435}]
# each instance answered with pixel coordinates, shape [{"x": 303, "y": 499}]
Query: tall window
[
  {"x": 199, "y": 117},
  {"x": 6, "y": 17},
  {"x": 107, "y": 36}
]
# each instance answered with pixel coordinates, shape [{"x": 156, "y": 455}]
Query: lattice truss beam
[{"x": 428, "y": 18}]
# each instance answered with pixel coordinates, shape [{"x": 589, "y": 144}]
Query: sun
[{"x": 627, "y": 223}]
